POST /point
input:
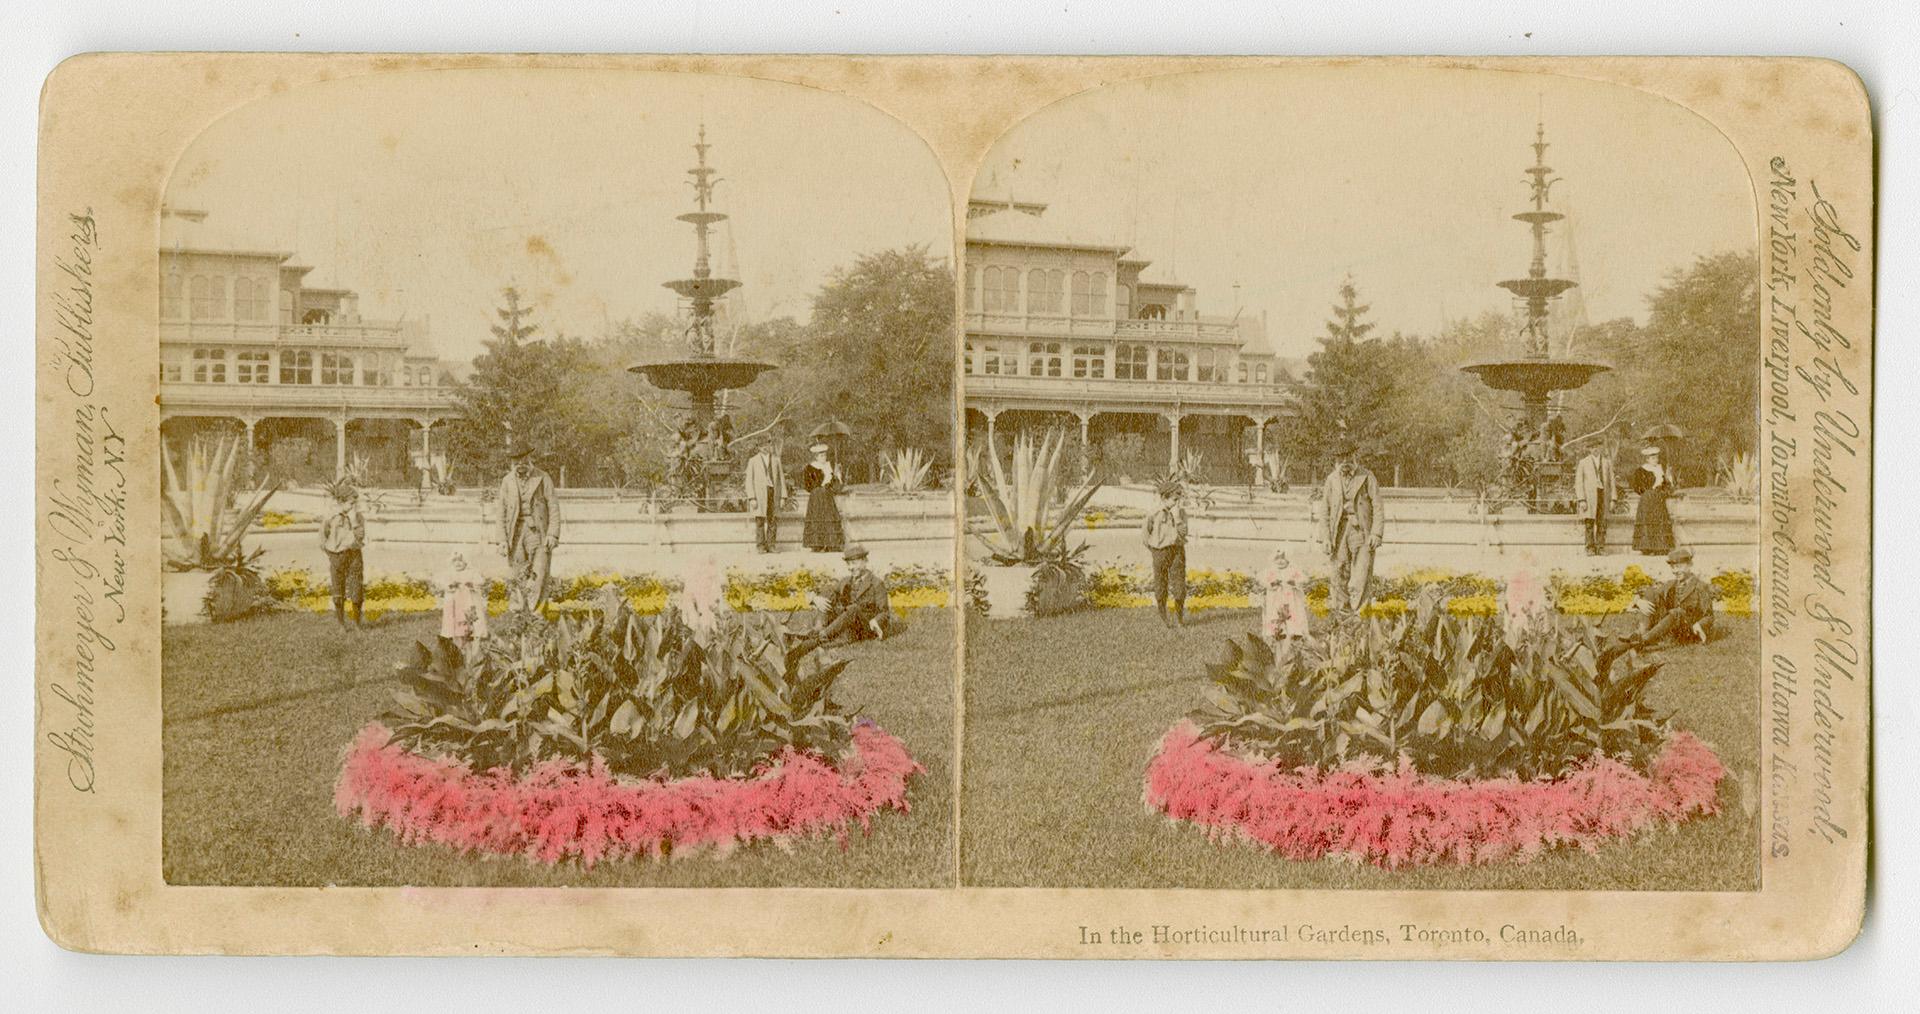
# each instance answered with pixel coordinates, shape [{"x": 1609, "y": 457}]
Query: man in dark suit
[
  {"x": 856, "y": 611},
  {"x": 1680, "y": 610},
  {"x": 1353, "y": 525}
]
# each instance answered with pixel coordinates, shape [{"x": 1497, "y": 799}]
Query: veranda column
[
  {"x": 1085, "y": 418},
  {"x": 990, "y": 417},
  {"x": 340, "y": 447},
  {"x": 1173, "y": 441}
]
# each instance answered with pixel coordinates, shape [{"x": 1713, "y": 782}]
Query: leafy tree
[{"x": 878, "y": 355}]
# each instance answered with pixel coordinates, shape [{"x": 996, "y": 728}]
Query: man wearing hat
[
  {"x": 1353, "y": 525},
  {"x": 343, "y": 535},
  {"x": 1680, "y": 609},
  {"x": 856, "y": 611},
  {"x": 766, "y": 490},
  {"x": 1165, "y": 534},
  {"x": 529, "y": 528},
  {"x": 1593, "y": 488}
]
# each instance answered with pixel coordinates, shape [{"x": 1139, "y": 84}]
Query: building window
[
  {"x": 209, "y": 297},
  {"x": 973, "y": 288},
  {"x": 426, "y": 376},
  {"x": 1123, "y": 301},
  {"x": 1130, "y": 363},
  {"x": 379, "y": 371},
  {"x": 250, "y": 297},
  {"x": 171, "y": 294},
  {"x": 1089, "y": 362},
  {"x": 1043, "y": 359},
  {"x": 171, "y": 370},
  {"x": 1173, "y": 365},
  {"x": 967, "y": 365},
  {"x": 286, "y": 306},
  {"x": 209, "y": 366},
  {"x": 336, "y": 368},
  {"x": 1241, "y": 373},
  {"x": 1002, "y": 290},
  {"x": 1089, "y": 294},
  {"x": 296, "y": 367},
  {"x": 996, "y": 361},
  {"x": 252, "y": 367},
  {"x": 1260, "y": 373},
  {"x": 1043, "y": 291},
  {"x": 1208, "y": 366}
]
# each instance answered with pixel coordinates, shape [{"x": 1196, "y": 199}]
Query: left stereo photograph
[{"x": 557, "y": 479}]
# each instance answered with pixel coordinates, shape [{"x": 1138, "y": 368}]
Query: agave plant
[
  {"x": 1448, "y": 694},
  {"x": 1028, "y": 526},
  {"x": 907, "y": 469},
  {"x": 647, "y": 695},
  {"x": 202, "y": 523},
  {"x": 1740, "y": 477}
]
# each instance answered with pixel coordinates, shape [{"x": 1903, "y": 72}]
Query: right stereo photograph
[{"x": 1361, "y": 489}]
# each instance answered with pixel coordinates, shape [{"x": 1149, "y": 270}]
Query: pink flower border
[
  {"x": 562, "y": 809},
  {"x": 1409, "y": 819}
]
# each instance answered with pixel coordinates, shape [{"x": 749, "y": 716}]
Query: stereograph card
[{"x": 963, "y": 507}]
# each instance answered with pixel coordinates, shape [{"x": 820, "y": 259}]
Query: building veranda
[{"x": 1072, "y": 330}]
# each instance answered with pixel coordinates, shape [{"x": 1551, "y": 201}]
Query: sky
[
  {"x": 428, "y": 192},
  {"x": 1285, "y": 183}
]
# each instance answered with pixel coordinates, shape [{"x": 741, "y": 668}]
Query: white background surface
[{"x": 1876, "y": 39}]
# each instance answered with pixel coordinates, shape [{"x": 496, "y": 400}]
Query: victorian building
[
  {"x": 247, "y": 345},
  {"x": 1073, "y": 329}
]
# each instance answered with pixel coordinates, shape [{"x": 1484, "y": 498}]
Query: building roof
[
  {"x": 186, "y": 229},
  {"x": 1017, "y": 228}
]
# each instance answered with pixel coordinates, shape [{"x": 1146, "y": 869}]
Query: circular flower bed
[
  {"x": 1408, "y": 819},
  {"x": 562, "y": 808}
]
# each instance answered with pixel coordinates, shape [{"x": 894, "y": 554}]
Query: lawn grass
[
  {"x": 1063, "y": 713},
  {"x": 258, "y": 712}
]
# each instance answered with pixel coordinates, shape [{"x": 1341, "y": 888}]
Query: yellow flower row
[{"x": 903, "y": 602}]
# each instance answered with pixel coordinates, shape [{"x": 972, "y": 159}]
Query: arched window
[
  {"x": 209, "y": 297},
  {"x": 1130, "y": 363},
  {"x": 1153, "y": 311},
  {"x": 250, "y": 297},
  {"x": 1090, "y": 362},
  {"x": 1097, "y": 298},
  {"x": 973, "y": 288},
  {"x": 1172, "y": 365},
  {"x": 1241, "y": 374},
  {"x": 1082, "y": 294},
  {"x": 1002, "y": 290},
  {"x": 1043, "y": 359},
  {"x": 296, "y": 367},
  {"x": 1260, "y": 373},
  {"x": 171, "y": 295},
  {"x": 1123, "y": 301}
]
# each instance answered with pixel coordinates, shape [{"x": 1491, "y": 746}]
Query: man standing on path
[
  {"x": 1593, "y": 488},
  {"x": 1353, "y": 526},
  {"x": 529, "y": 529},
  {"x": 766, "y": 490}
]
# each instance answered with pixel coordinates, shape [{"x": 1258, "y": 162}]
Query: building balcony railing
[
  {"x": 227, "y": 332},
  {"x": 1148, "y": 395},
  {"x": 187, "y": 398}
]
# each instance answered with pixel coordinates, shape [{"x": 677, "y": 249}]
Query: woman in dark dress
[
  {"x": 1652, "y": 522},
  {"x": 821, "y": 479}
]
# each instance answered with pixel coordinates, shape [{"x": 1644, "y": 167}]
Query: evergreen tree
[
  {"x": 1347, "y": 324},
  {"x": 513, "y": 326}
]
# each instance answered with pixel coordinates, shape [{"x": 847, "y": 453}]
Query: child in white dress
[
  {"x": 1283, "y": 613},
  {"x": 463, "y": 601}
]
